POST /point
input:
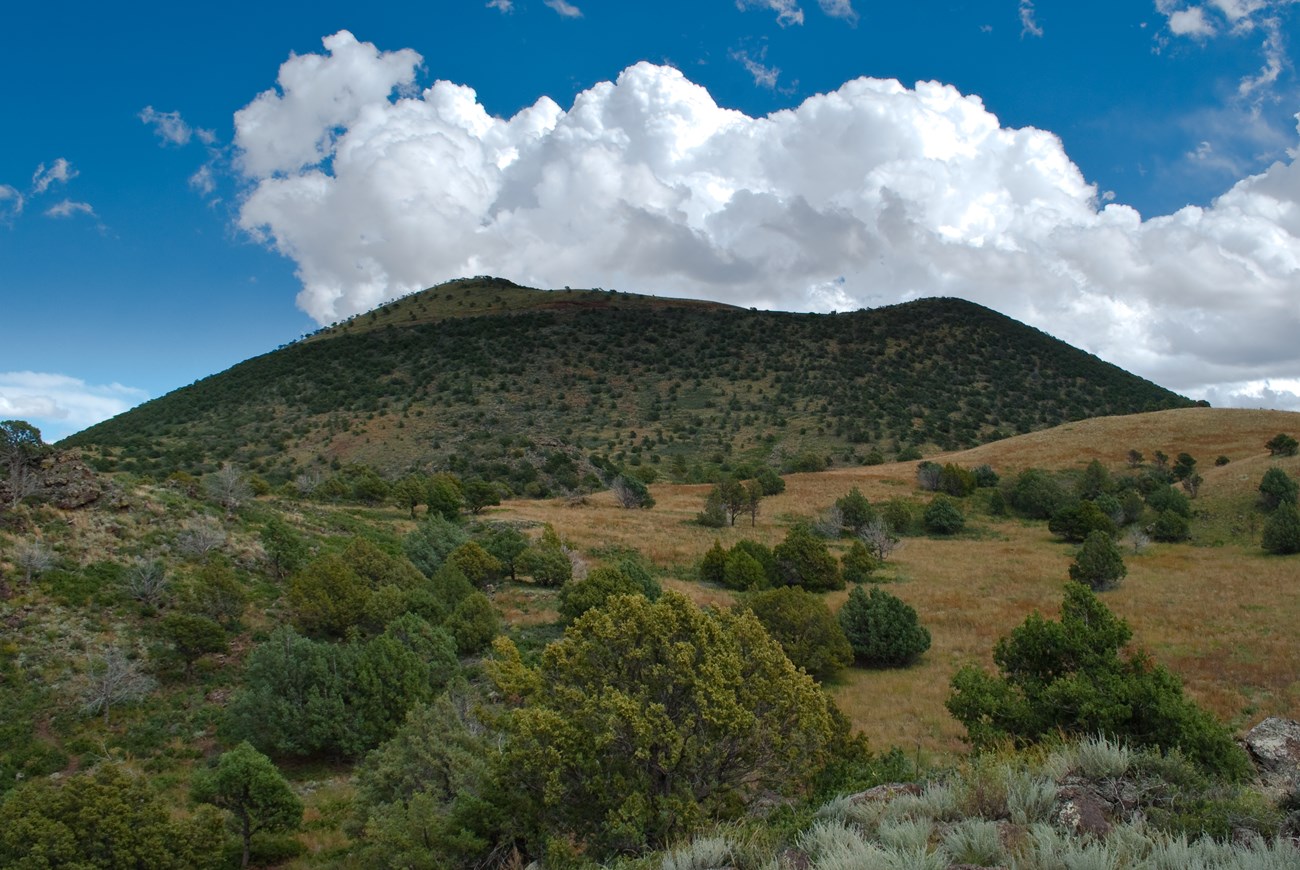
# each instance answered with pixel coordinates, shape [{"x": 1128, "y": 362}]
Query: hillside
[
  {"x": 545, "y": 390},
  {"x": 185, "y": 591},
  {"x": 977, "y": 586}
]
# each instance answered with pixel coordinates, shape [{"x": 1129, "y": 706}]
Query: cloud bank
[
  {"x": 58, "y": 404},
  {"x": 872, "y": 194}
]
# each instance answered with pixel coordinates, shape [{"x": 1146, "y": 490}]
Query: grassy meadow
[{"x": 1216, "y": 610}]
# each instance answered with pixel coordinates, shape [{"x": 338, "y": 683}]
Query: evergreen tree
[
  {"x": 246, "y": 784},
  {"x": 670, "y": 717},
  {"x": 1282, "y": 531},
  {"x": 882, "y": 629},
  {"x": 1098, "y": 564},
  {"x": 803, "y": 559},
  {"x": 804, "y": 627},
  {"x": 1069, "y": 677}
]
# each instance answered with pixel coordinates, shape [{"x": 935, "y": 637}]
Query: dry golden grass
[
  {"x": 1203, "y": 432},
  {"x": 1223, "y": 618}
]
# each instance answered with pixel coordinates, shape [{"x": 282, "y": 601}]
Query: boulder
[
  {"x": 68, "y": 482},
  {"x": 1274, "y": 746}
]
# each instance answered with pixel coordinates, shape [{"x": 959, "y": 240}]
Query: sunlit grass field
[{"x": 1217, "y": 611}]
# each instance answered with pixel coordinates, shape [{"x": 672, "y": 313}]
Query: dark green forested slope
[{"x": 516, "y": 395}]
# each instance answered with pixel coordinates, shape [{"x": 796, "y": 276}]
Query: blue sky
[{"x": 172, "y": 200}]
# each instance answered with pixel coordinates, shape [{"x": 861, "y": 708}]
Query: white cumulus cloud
[
  {"x": 170, "y": 127},
  {"x": 869, "y": 194},
  {"x": 58, "y": 172},
  {"x": 787, "y": 11},
  {"x": 59, "y": 405},
  {"x": 567, "y": 10},
  {"x": 1190, "y": 22},
  {"x": 839, "y": 9},
  {"x": 11, "y": 203},
  {"x": 69, "y": 208},
  {"x": 1029, "y": 25}
]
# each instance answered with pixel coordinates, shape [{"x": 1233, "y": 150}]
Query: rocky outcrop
[
  {"x": 1274, "y": 746},
  {"x": 62, "y": 479},
  {"x": 68, "y": 482}
]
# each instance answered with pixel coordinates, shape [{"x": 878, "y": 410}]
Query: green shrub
[
  {"x": 1170, "y": 527},
  {"x": 473, "y": 624},
  {"x": 742, "y": 571},
  {"x": 547, "y": 565},
  {"x": 1166, "y": 498},
  {"x": 804, "y": 627},
  {"x": 882, "y": 629},
  {"x": 1098, "y": 564},
  {"x": 1282, "y": 531},
  {"x": 600, "y": 585},
  {"x": 943, "y": 517},
  {"x": 1069, "y": 677},
  {"x": 1075, "y": 522},
  {"x": 1277, "y": 488},
  {"x": 803, "y": 559},
  {"x": 713, "y": 565},
  {"x": 857, "y": 565},
  {"x": 476, "y": 563}
]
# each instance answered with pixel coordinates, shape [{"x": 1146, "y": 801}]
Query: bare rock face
[
  {"x": 1274, "y": 746},
  {"x": 1082, "y": 811},
  {"x": 68, "y": 482}
]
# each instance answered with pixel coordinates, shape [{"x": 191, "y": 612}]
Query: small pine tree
[
  {"x": 743, "y": 571},
  {"x": 943, "y": 517},
  {"x": 1170, "y": 527},
  {"x": 803, "y": 560},
  {"x": 1098, "y": 563},
  {"x": 857, "y": 565},
  {"x": 713, "y": 566},
  {"x": 804, "y": 627},
  {"x": 1277, "y": 488},
  {"x": 1282, "y": 444},
  {"x": 882, "y": 629},
  {"x": 1282, "y": 531}
]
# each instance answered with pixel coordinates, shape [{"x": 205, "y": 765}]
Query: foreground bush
[
  {"x": 1069, "y": 677},
  {"x": 650, "y": 719}
]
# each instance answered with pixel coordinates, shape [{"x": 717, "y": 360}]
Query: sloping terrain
[{"x": 515, "y": 385}]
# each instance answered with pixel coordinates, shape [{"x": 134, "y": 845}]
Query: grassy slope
[
  {"x": 424, "y": 383},
  {"x": 1220, "y": 616}
]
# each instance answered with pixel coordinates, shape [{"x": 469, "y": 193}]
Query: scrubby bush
[
  {"x": 473, "y": 624},
  {"x": 713, "y": 565},
  {"x": 1277, "y": 488},
  {"x": 857, "y": 565},
  {"x": 1069, "y": 677},
  {"x": 1076, "y": 522},
  {"x": 1166, "y": 498},
  {"x": 803, "y": 560},
  {"x": 742, "y": 571},
  {"x": 600, "y": 585},
  {"x": 883, "y": 630},
  {"x": 804, "y": 627},
  {"x": 1170, "y": 527},
  {"x": 1098, "y": 564},
  {"x": 1282, "y": 444},
  {"x": 855, "y": 511},
  {"x": 1036, "y": 494},
  {"x": 476, "y": 563},
  {"x": 956, "y": 481},
  {"x": 1282, "y": 531},
  {"x": 943, "y": 517},
  {"x": 547, "y": 565}
]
